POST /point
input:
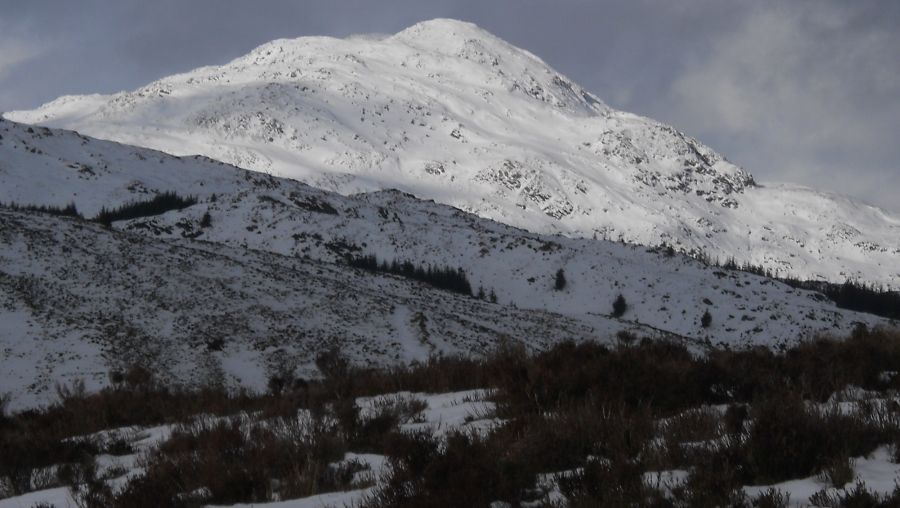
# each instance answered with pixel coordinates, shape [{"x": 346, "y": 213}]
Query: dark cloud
[{"x": 801, "y": 91}]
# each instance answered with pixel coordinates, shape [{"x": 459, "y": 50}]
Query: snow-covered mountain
[
  {"x": 447, "y": 111},
  {"x": 266, "y": 275}
]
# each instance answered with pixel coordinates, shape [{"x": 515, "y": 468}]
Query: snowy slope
[
  {"x": 266, "y": 275},
  {"x": 78, "y": 300},
  {"x": 447, "y": 111}
]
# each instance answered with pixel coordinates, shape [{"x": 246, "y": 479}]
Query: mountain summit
[{"x": 447, "y": 111}]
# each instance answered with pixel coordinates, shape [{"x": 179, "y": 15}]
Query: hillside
[
  {"x": 446, "y": 111},
  {"x": 263, "y": 283},
  {"x": 78, "y": 301}
]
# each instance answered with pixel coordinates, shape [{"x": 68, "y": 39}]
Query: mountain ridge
[
  {"x": 264, "y": 213},
  {"x": 446, "y": 111}
]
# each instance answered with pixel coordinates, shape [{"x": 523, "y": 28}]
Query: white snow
[
  {"x": 468, "y": 411},
  {"x": 59, "y": 496},
  {"x": 449, "y": 112},
  {"x": 77, "y": 300},
  {"x": 876, "y": 471},
  {"x": 666, "y": 481}
]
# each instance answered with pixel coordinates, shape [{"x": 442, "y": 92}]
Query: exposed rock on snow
[
  {"x": 447, "y": 111},
  {"x": 77, "y": 299}
]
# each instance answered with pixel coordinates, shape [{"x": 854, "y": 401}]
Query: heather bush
[{"x": 596, "y": 416}]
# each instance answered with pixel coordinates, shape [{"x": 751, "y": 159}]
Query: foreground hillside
[
  {"x": 286, "y": 223},
  {"x": 641, "y": 423},
  {"x": 447, "y": 111}
]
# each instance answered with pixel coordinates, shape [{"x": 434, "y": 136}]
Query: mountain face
[
  {"x": 447, "y": 111},
  {"x": 262, "y": 283}
]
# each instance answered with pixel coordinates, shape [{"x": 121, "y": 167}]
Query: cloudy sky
[{"x": 802, "y": 91}]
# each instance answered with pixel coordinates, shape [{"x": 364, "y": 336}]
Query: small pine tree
[
  {"x": 480, "y": 295},
  {"x": 706, "y": 320},
  {"x": 206, "y": 220},
  {"x": 560, "y": 282},
  {"x": 620, "y": 306},
  {"x": 493, "y": 296}
]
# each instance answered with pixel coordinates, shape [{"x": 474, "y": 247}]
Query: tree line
[
  {"x": 159, "y": 204},
  {"x": 67, "y": 211},
  {"x": 442, "y": 277},
  {"x": 851, "y": 295}
]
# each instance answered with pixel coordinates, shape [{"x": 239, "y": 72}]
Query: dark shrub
[
  {"x": 788, "y": 439},
  {"x": 706, "y": 319},
  {"x": 233, "y": 461},
  {"x": 620, "y": 306},
  {"x": 559, "y": 281},
  {"x": 466, "y": 471}
]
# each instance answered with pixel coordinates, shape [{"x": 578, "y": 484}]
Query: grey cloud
[{"x": 804, "y": 92}]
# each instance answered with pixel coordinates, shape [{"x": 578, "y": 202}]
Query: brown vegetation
[{"x": 601, "y": 416}]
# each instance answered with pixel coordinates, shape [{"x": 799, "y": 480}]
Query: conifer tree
[
  {"x": 620, "y": 306},
  {"x": 560, "y": 282}
]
